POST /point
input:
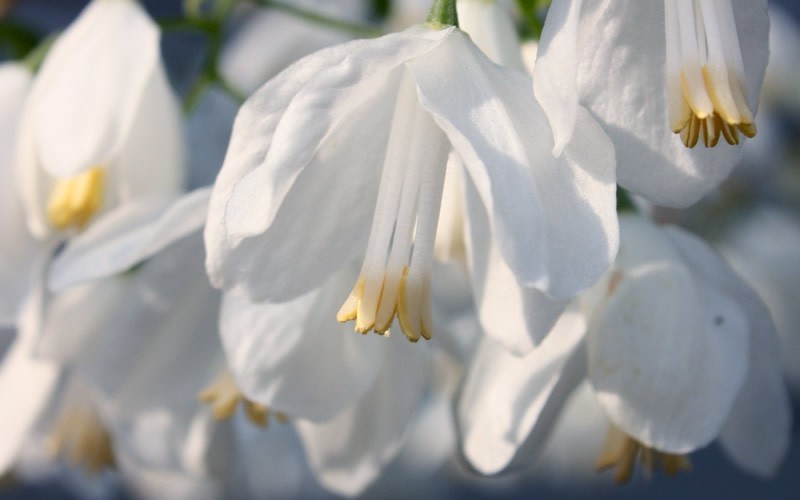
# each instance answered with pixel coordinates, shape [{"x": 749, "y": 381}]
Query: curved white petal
[
  {"x": 668, "y": 351},
  {"x": 162, "y": 343},
  {"x": 26, "y": 383},
  {"x": 305, "y": 153},
  {"x": 539, "y": 207},
  {"x": 150, "y": 160},
  {"x": 510, "y": 403},
  {"x": 514, "y": 316},
  {"x": 76, "y": 319},
  {"x": 555, "y": 77},
  {"x": 269, "y": 42},
  {"x": 90, "y": 86},
  {"x": 622, "y": 81},
  {"x": 757, "y": 432},
  {"x": 348, "y": 452},
  {"x": 127, "y": 236},
  {"x": 18, "y": 248},
  {"x": 295, "y": 357},
  {"x": 172, "y": 455},
  {"x": 763, "y": 247}
]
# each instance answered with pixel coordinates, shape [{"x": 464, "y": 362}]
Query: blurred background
[{"x": 777, "y": 156}]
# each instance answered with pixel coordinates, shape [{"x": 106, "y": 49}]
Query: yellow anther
[
  {"x": 620, "y": 452},
  {"x": 224, "y": 397},
  {"x": 80, "y": 437},
  {"x": 411, "y": 307},
  {"x": 74, "y": 201},
  {"x": 730, "y": 116}
]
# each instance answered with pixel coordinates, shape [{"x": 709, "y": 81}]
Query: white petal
[
  {"x": 509, "y": 403},
  {"x": 162, "y": 342},
  {"x": 763, "y": 247},
  {"x": 18, "y": 248},
  {"x": 555, "y": 76},
  {"x": 150, "y": 161},
  {"x": 167, "y": 455},
  {"x": 668, "y": 351},
  {"x": 622, "y": 81},
  {"x": 269, "y": 42},
  {"x": 295, "y": 357},
  {"x": 348, "y": 452},
  {"x": 305, "y": 152},
  {"x": 125, "y": 237},
  {"x": 757, "y": 433},
  {"x": 518, "y": 318},
  {"x": 90, "y": 86},
  {"x": 26, "y": 383},
  {"x": 492, "y": 29},
  {"x": 537, "y": 205},
  {"x": 76, "y": 319}
]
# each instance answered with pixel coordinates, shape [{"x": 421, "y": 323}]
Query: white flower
[
  {"x": 764, "y": 246},
  {"x": 659, "y": 78},
  {"x": 302, "y": 182},
  {"x": 271, "y": 40},
  {"x": 677, "y": 349},
  {"x": 101, "y": 126}
]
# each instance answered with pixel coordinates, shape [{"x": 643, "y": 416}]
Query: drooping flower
[
  {"x": 677, "y": 349},
  {"x": 660, "y": 79},
  {"x": 307, "y": 153},
  {"x": 101, "y": 126}
]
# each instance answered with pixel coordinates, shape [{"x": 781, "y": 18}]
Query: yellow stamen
[
  {"x": 80, "y": 437},
  {"x": 74, "y": 201},
  {"x": 224, "y": 396},
  {"x": 620, "y": 452},
  {"x": 730, "y": 116}
]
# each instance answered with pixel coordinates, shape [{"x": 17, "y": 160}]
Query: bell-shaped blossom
[
  {"x": 677, "y": 349},
  {"x": 351, "y": 144},
  {"x": 101, "y": 126},
  {"x": 661, "y": 78}
]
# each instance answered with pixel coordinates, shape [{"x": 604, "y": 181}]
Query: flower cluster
[{"x": 440, "y": 243}]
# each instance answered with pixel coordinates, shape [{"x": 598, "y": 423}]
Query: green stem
[
  {"x": 35, "y": 57},
  {"x": 530, "y": 12},
  {"x": 443, "y": 13},
  {"x": 625, "y": 202},
  {"x": 20, "y": 39},
  {"x": 321, "y": 19}
]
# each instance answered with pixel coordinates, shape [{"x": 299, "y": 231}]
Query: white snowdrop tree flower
[
  {"x": 661, "y": 79},
  {"x": 678, "y": 352},
  {"x": 101, "y": 125},
  {"x": 352, "y": 143}
]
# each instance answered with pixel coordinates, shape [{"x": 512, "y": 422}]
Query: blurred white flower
[
  {"x": 649, "y": 72},
  {"x": 100, "y": 126},
  {"x": 764, "y": 246},
  {"x": 271, "y": 40},
  {"x": 678, "y": 351},
  {"x": 306, "y": 153}
]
